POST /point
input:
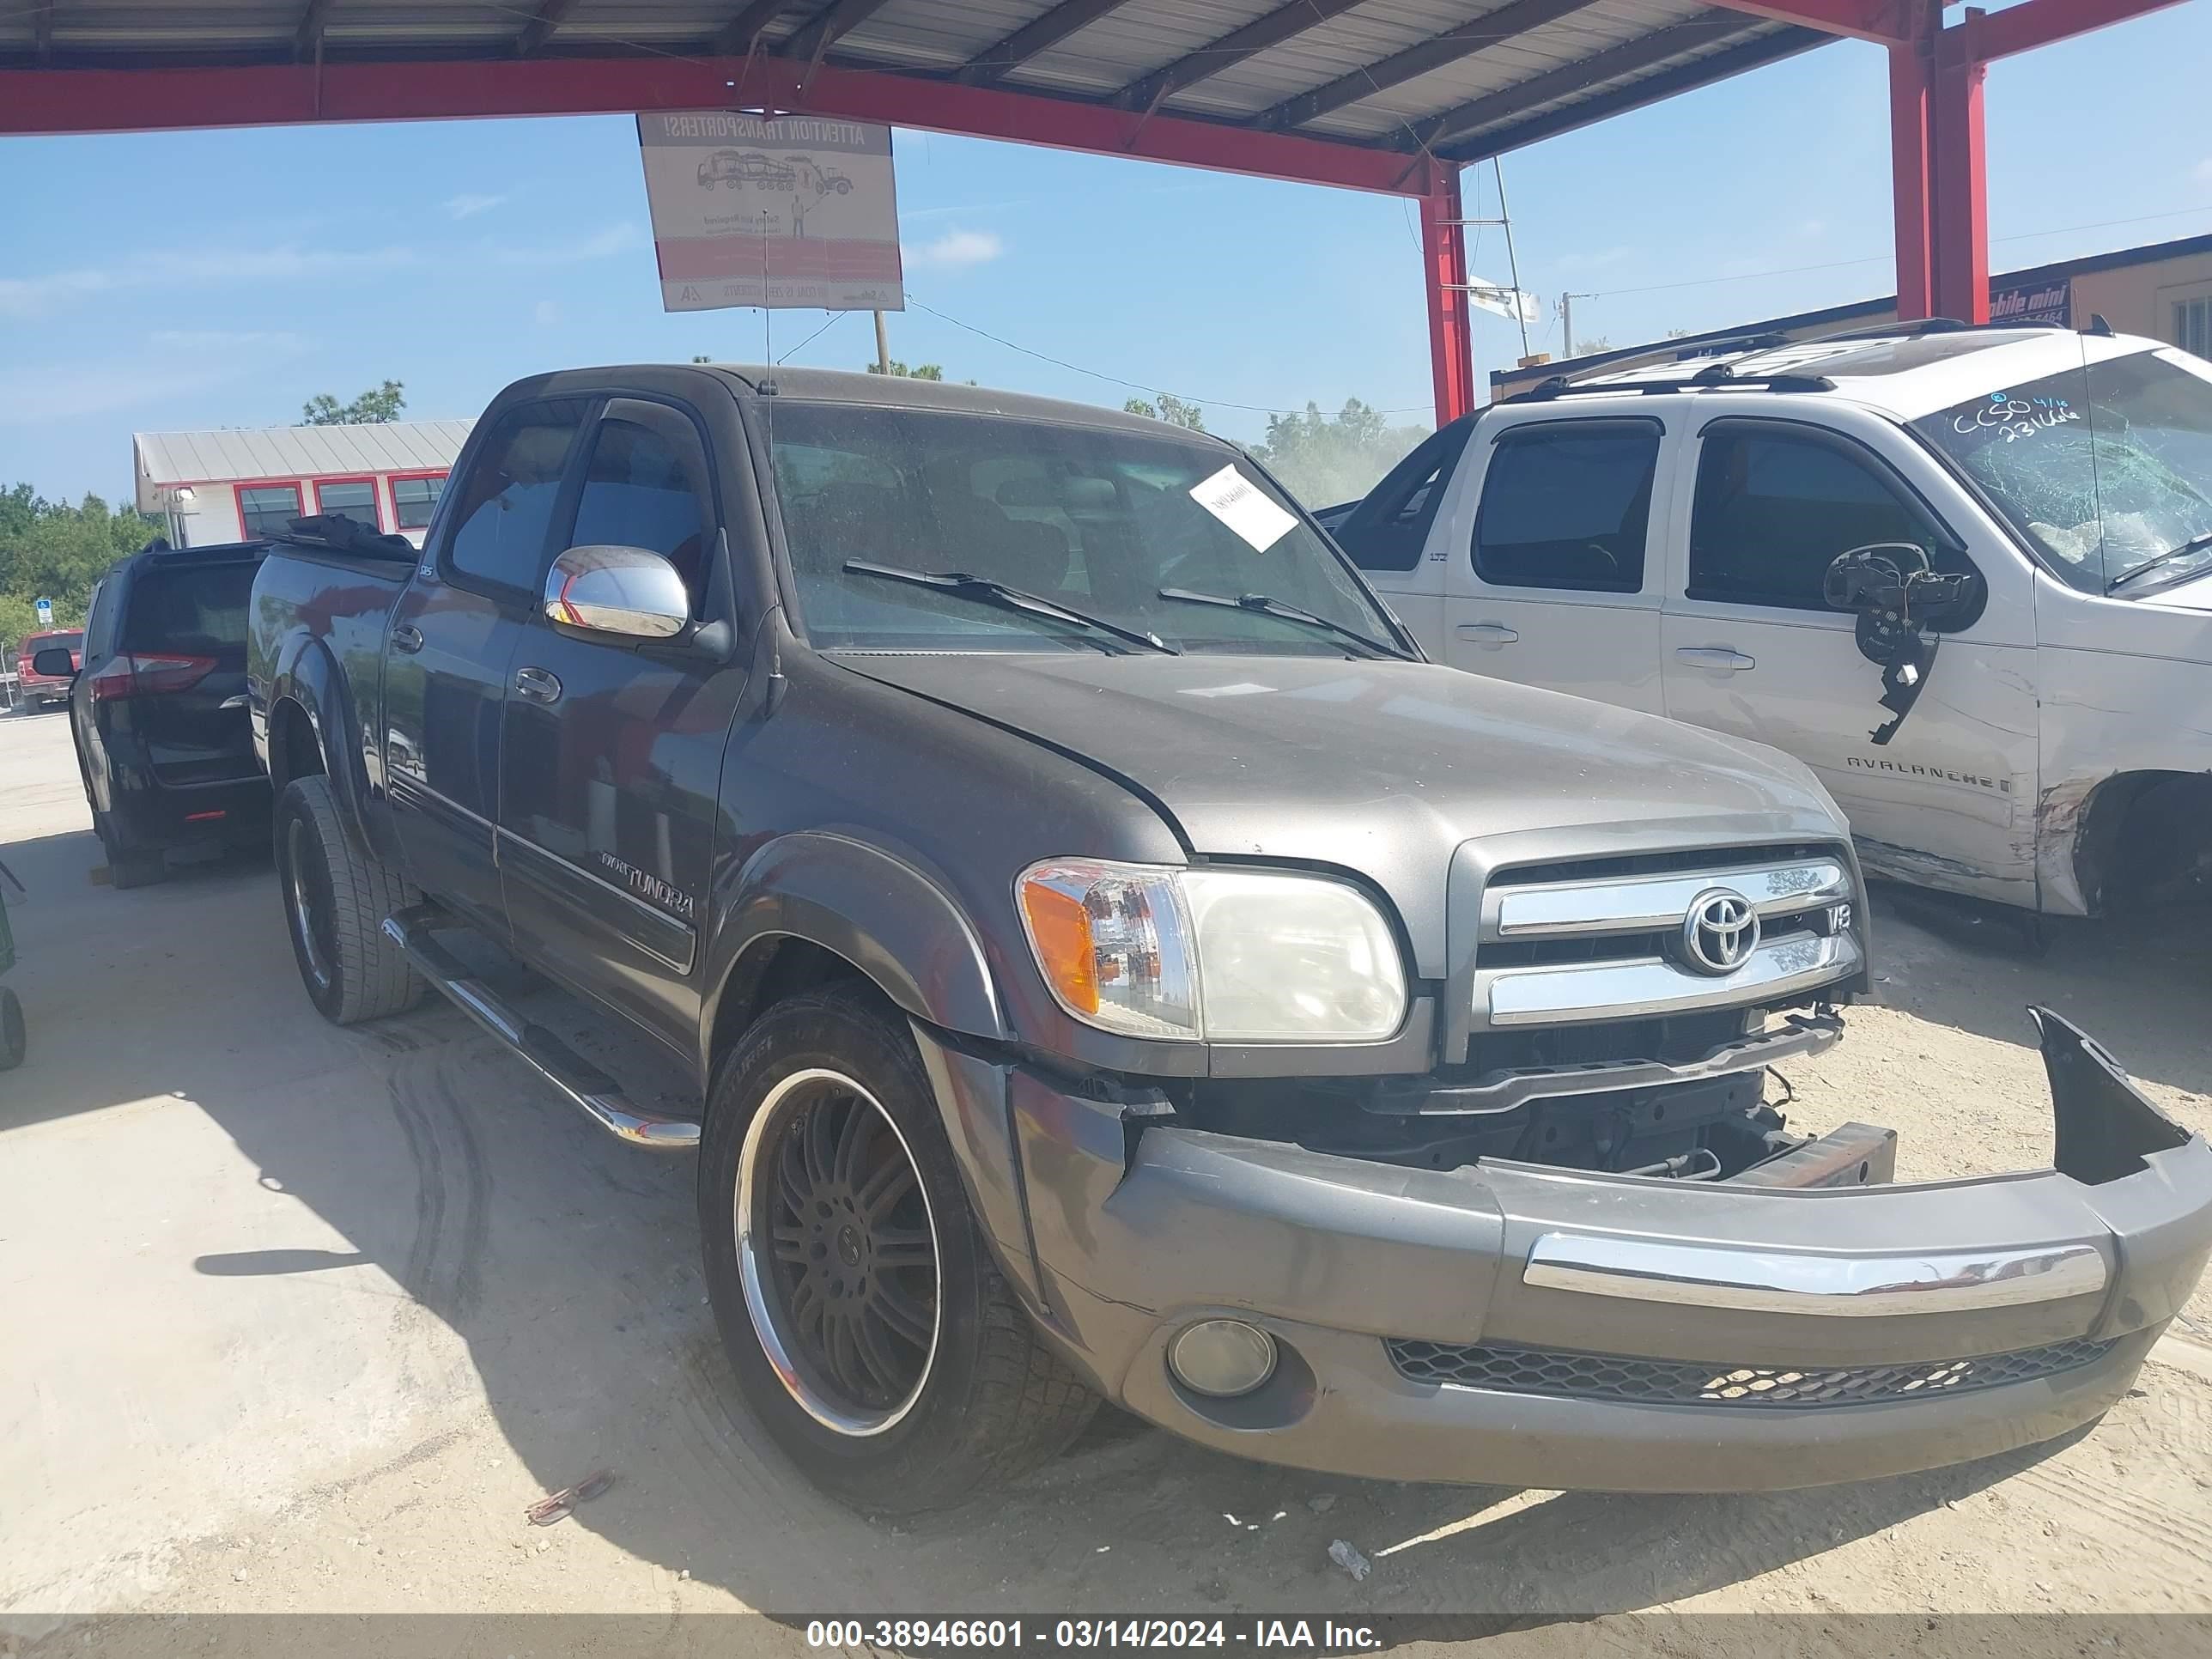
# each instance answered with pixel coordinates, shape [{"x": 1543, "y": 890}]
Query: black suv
[{"x": 158, "y": 710}]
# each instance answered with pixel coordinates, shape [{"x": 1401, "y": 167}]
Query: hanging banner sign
[{"x": 799, "y": 211}]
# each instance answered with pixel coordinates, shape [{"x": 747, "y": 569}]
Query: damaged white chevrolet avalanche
[{"x": 1965, "y": 574}]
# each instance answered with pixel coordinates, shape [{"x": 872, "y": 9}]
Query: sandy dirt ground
[{"x": 297, "y": 1320}]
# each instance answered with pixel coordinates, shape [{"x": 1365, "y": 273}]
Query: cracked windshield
[{"x": 2106, "y": 469}]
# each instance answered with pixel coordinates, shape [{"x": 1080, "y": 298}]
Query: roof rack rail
[{"x": 1712, "y": 376}]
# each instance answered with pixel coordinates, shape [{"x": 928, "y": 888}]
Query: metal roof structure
[
  {"x": 1448, "y": 79},
  {"x": 296, "y": 451},
  {"x": 1388, "y": 95}
]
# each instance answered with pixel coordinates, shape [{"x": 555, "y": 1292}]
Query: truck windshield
[
  {"x": 2106, "y": 469},
  {"x": 1091, "y": 519}
]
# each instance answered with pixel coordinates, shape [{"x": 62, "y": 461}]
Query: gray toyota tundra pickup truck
[{"x": 1105, "y": 962}]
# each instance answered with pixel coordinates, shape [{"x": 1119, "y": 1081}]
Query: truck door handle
[
  {"x": 1715, "y": 656},
  {"x": 1487, "y": 633},
  {"x": 537, "y": 685},
  {"x": 408, "y": 638}
]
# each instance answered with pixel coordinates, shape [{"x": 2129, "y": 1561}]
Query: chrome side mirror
[{"x": 626, "y": 592}]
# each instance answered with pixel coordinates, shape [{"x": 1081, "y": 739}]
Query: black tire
[
  {"x": 987, "y": 1400},
  {"x": 15, "y": 1041},
  {"x": 335, "y": 903}
]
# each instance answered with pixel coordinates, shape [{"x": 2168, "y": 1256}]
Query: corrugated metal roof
[
  {"x": 296, "y": 451},
  {"x": 1546, "y": 59}
]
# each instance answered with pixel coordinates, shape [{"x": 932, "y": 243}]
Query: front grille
[
  {"x": 1677, "y": 1382},
  {"x": 1569, "y": 943}
]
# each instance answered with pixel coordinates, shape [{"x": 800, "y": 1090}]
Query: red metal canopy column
[
  {"x": 1959, "y": 251},
  {"x": 1444, "y": 272}
]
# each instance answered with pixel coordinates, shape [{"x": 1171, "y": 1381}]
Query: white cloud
[
  {"x": 2203, "y": 172},
  {"x": 38, "y": 394},
  {"x": 603, "y": 245},
  {"x": 956, "y": 250},
  {"x": 268, "y": 341},
  {"x": 35, "y": 297},
  {"x": 468, "y": 205},
  {"x": 547, "y": 313}
]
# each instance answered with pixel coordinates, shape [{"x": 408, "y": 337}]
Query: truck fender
[
  {"x": 312, "y": 682},
  {"x": 877, "y": 911},
  {"x": 912, "y": 940}
]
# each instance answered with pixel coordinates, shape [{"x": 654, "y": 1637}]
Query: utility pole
[
  {"x": 883, "y": 347},
  {"x": 1567, "y": 322}
]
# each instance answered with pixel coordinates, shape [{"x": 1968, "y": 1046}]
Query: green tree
[
  {"x": 1326, "y": 458},
  {"x": 919, "y": 372},
  {"x": 55, "y": 550},
  {"x": 1171, "y": 409},
  {"x": 374, "y": 406}
]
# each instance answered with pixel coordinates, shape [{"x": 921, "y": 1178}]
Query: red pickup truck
[{"x": 46, "y": 691}]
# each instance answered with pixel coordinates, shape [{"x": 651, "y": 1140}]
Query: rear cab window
[{"x": 1567, "y": 505}]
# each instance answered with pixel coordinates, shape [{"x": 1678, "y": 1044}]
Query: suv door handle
[
  {"x": 537, "y": 685},
  {"x": 1715, "y": 656},
  {"x": 1487, "y": 633},
  {"x": 408, "y": 638}
]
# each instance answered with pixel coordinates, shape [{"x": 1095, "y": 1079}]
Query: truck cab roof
[
  {"x": 1906, "y": 372},
  {"x": 904, "y": 392}
]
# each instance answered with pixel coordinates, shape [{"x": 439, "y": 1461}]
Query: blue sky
[{"x": 199, "y": 279}]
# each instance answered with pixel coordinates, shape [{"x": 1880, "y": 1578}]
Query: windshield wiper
[
  {"x": 2194, "y": 545},
  {"x": 961, "y": 584},
  {"x": 1267, "y": 606}
]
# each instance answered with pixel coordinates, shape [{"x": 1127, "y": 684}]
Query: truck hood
[{"x": 1382, "y": 768}]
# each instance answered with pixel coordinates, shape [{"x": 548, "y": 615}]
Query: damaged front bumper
[{"x": 1513, "y": 1323}]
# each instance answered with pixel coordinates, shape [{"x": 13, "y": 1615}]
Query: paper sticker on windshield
[{"x": 1237, "y": 502}]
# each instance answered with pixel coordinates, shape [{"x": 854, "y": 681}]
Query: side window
[
  {"x": 1773, "y": 509},
  {"x": 1388, "y": 530},
  {"x": 99, "y": 621},
  {"x": 647, "y": 486},
  {"x": 267, "y": 509},
  {"x": 498, "y": 528},
  {"x": 1565, "y": 504},
  {"x": 413, "y": 499}
]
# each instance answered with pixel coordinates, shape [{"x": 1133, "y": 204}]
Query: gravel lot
[{"x": 299, "y": 1320}]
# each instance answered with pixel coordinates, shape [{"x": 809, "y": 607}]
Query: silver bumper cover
[{"x": 1342, "y": 1259}]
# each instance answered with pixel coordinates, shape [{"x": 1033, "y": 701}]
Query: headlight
[{"x": 1223, "y": 955}]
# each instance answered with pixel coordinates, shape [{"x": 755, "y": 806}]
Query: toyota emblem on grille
[{"x": 1720, "y": 932}]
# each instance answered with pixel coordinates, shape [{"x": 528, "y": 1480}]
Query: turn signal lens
[
  {"x": 1112, "y": 941},
  {"x": 1060, "y": 925}
]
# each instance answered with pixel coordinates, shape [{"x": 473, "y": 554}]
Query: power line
[{"x": 1120, "y": 380}]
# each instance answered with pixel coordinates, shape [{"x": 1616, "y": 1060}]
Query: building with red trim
[{"x": 237, "y": 483}]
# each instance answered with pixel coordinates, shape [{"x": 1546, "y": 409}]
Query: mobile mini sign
[{"x": 796, "y": 211}]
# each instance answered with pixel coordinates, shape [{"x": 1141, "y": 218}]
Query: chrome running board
[{"x": 599, "y": 1095}]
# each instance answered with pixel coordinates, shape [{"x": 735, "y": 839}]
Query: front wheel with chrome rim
[{"x": 869, "y": 1329}]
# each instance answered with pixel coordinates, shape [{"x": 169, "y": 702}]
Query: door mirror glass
[
  {"x": 627, "y": 592},
  {"x": 55, "y": 662}
]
